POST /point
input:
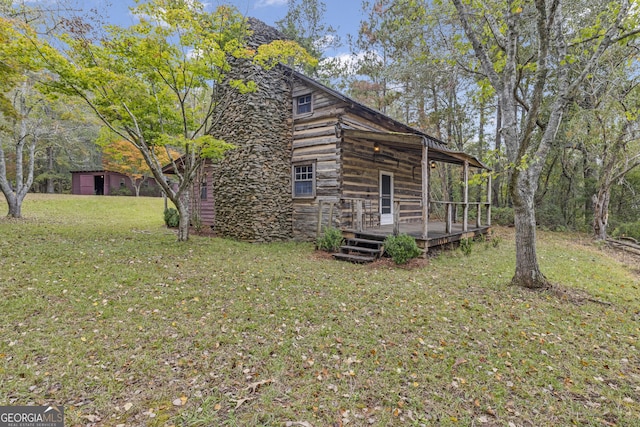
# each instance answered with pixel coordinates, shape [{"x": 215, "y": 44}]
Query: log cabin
[{"x": 308, "y": 157}]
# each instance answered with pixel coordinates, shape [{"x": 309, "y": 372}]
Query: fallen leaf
[
  {"x": 180, "y": 401},
  {"x": 254, "y": 386},
  {"x": 459, "y": 361},
  {"x": 128, "y": 406},
  {"x": 239, "y": 402}
]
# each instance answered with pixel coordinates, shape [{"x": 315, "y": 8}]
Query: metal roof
[{"x": 408, "y": 136}]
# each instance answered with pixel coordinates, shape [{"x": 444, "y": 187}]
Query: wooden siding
[
  {"x": 84, "y": 183},
  {"x": 361, "y": 169},
  {"x": 315, "y": 141},
  {"x": 361, "y": 175},
  {"x": 203, "y": 209},
  {"x": 348, "y": 169}
]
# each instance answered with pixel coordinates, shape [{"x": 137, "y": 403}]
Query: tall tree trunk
[
  {"x": 482, "y": 150},
  {"x": 16, "y": 195},
  {"x": 601, "y": 212},
  {"x": 185, "y": 216},
  {"x": 496, "y": 183},
  {"x": 15, "y": 207},
  {"x": 589, "y": 177},
  {"x": 527, "y": 272},
  {"x": 50, "y": 166}
]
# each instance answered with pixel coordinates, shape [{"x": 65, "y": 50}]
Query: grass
[{"x": 105, "y": 313}]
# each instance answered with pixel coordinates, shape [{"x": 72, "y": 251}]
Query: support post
[
  {"x": 465, "y": 210},
  {"x": 319, "y": 230},
  {"x": 330, "y": 222},
  {"x": 396, "y": 218},
  {"x": 489, "y": 195},
  {"x": 449, "y": 207},
  {"x": 425, "y": 193},
  {"x": 359, "y": 215},
  {"x": 479, "y": 216}
]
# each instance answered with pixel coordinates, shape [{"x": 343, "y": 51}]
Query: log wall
[
  {"x": 315, "y": 141},
  {"x": 362, "y": 167}
]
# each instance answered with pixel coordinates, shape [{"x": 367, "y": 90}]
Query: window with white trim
[
  {"x": 304, "y": 180},
  {"x": 303, "y": 104}
]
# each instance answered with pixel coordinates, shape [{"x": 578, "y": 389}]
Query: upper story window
[{"x": 303, "y": 104}]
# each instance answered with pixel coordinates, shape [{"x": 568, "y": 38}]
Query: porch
[
  {"x": 449, "y": 222},
  {"x": 437, "y": 236}
]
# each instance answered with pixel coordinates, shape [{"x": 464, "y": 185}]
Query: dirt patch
[
  {"x": 572, "y": 295},
  {"x": 629, "y": 259},
  {"x": 387, "y": 263},
  {"x": 202, "y": 231},
  {"x": 322, "y": 255},
  {"x": 381, "y": 263}
]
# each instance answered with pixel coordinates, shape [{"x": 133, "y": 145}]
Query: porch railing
[
  {"x": 451, "y": 211},
  {"x": 358, "y": 213}
]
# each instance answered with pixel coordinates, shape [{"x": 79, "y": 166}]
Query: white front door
[{"x": 386, "y": 198}]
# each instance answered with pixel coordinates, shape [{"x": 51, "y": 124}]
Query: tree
[
  {"x": 158, "y": 84},
  {"x": 536, "y": 58},
  {"x": 607, "y": 128},
  {"x": 121, "y": 156},
  {"x": 304, "y": 24},
  {"x": 21, "y": 104}
]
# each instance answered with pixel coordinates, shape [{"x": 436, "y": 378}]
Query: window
[
  {"x": 303, "y": 104},
  {"x": 303, "y": 181},
  {"x": 203, "y": 189}
]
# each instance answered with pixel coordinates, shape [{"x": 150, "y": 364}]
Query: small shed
[{"x": 103, "y": 182}]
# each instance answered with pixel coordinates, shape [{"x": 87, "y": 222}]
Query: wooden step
[
  {"x": 359, "y": 240},
  {"x": 348, "y": 248},
  {"x": 360, "y": 259}
]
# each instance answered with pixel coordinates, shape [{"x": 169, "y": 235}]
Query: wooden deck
[{"x": 437, "y": 235}]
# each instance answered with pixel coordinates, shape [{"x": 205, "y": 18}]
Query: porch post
[
  {"x": 465, "y": 217},
  {"x": 425, "y": 193},
  {"x": 319, "y": 230},
  {"x": 396, "y": 217},
  {"x": 359, "y": 215},
  {"x": 489, "y": 195}
]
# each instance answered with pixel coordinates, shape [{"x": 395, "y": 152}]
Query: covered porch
[
  {"x": 360, "y": 222},
  {"x": 408, "y": 183}
]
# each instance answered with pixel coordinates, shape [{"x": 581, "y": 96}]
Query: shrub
[
  {"x": 401, "y": 248},
  {"x": 120, "y": 191},
  {"x": 466, "y": 245},
  {"x": 550, "y": 217},
  {"x": 330, "y": 241},
  {"x": 629, "y": 229},
  {"x": 171, "y": 217},
  {"x": 502, "y": 216}
]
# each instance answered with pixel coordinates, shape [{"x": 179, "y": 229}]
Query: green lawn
[{"x": 103, "y": 311}]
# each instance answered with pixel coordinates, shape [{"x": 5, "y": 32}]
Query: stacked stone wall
[{"x": 252, "y": 185}]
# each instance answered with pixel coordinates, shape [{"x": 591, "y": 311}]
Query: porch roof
[{"x": 412, "y": 141}]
